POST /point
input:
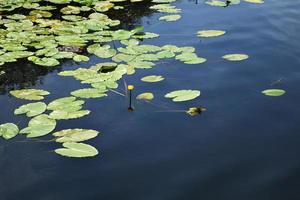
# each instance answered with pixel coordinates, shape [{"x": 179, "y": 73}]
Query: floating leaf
[
  {"x": 88, "y": 93},
  {"x": 31, "y": 109},
  {"x": 77, "y": 150},
  {"x": 39, "y": 126},
  {"x": 255, "y": 1},
  {"x": 8, "y": 130},
  {"x": 148, "y": 96},
  {"x": 170, "y": 18},
  {"x": 274, "y": 92},
  {"x": 210, "y": 33},
  {"x": 61, "y": 114},
  {"x": 235, "y": 57},
  {"x": 67, "y": 104},
  {"x": 80, "y": 58},
  {"x": 183, "y": 95},
  {"x": 75, "y": 135},
  {"x": 29, "y": 94},
  {"x": 152, "y": 78}
]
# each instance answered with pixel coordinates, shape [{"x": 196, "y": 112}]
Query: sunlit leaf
[
  {"x": 77, "y": 150},
  {"x": 183, "y": 95}
]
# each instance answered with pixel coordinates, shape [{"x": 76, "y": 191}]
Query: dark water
[{"x": 246, "y": 146}]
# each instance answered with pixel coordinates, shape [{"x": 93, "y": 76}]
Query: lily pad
[
  {"x": 31, "y": 109},
  {"x": 61, "y": 114},
  {"x": 77, "y": 150},
  {"x": 210, "y": 33},
  {"x": 88, "y": 93},
  {"x": 39, "y": 126},
  {"x": 75, "y": 135},
  {"x": 148, "y": 96},
  {"x": 183, "y": 95},
  {"x": 8, "y": 130},
  {"x": 152, "y": 78},
  {"x": 235, "y": 57},
  {"x": 274, "y": 92},
  {"x": 29, "y": 94},
  {"x": 170, "y": 18}
]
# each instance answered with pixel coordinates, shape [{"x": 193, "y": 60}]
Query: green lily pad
[
  {"x": 8, "y": 130},
  {"x": 29, "y": 94},
  {"x": 88, "y": 93},
  {"x": 75, "y": 135},
  {"x": 152, "y": 78},
  {"x": 148, "y": 96},
  {"x": 31, "y": 109},
  {"x": 80, "y": 58},
  {"x": 235, "y": 57},
  {"x": 183, "y": 95},
  {"x": 255, "y": 1},
  {"x": 61, "y": 114},
  {"x": 170, "y": 18},
  {"x": 67, "y": 104},
  {"x": 77, "y": 150},
  {"x": 274, "y": 92},
  {"x": 39, "y": 126},
  {"x": 210, "y": 33}
]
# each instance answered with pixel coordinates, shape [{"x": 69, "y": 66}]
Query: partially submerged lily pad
[
  {"x": 8, "y": 130},
  {"x": 183, "y": 95},
  {"x": 77, "y": 150},
  {"x": 193, "y": 111},
  {"x": 274, "y": 92}
]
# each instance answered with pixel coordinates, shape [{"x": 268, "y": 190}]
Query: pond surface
[{"x": 245, "y": 146}]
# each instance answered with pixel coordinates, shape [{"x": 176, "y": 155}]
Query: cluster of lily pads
[{"x": 44, "y": 41}]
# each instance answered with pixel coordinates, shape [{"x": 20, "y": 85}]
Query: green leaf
[
  {"x": 75, "y": 135},
  {"x": 88, "y": 93},
  {"x": 8, "y": 130},
  {"x": 31, "y": 109},
  {"x": 152, "y": 78},
  {"x": 61, "y": 114},
  {"x": 68, "y": 104},
  {"x": 39, "y": 126},
  {"x": 77, "y": 150},
  {"x": 148, "y": 96},
  {"x": 170, "y": 18},
  {"x": 183, "y": 95},
  {"x": 80, "y": 58},
  {"x": 29, "y": 94},
  {"x": 210, "y": 33},
  {"x": 274, "y": 92},
  {"x": 235, "y": 57}
]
